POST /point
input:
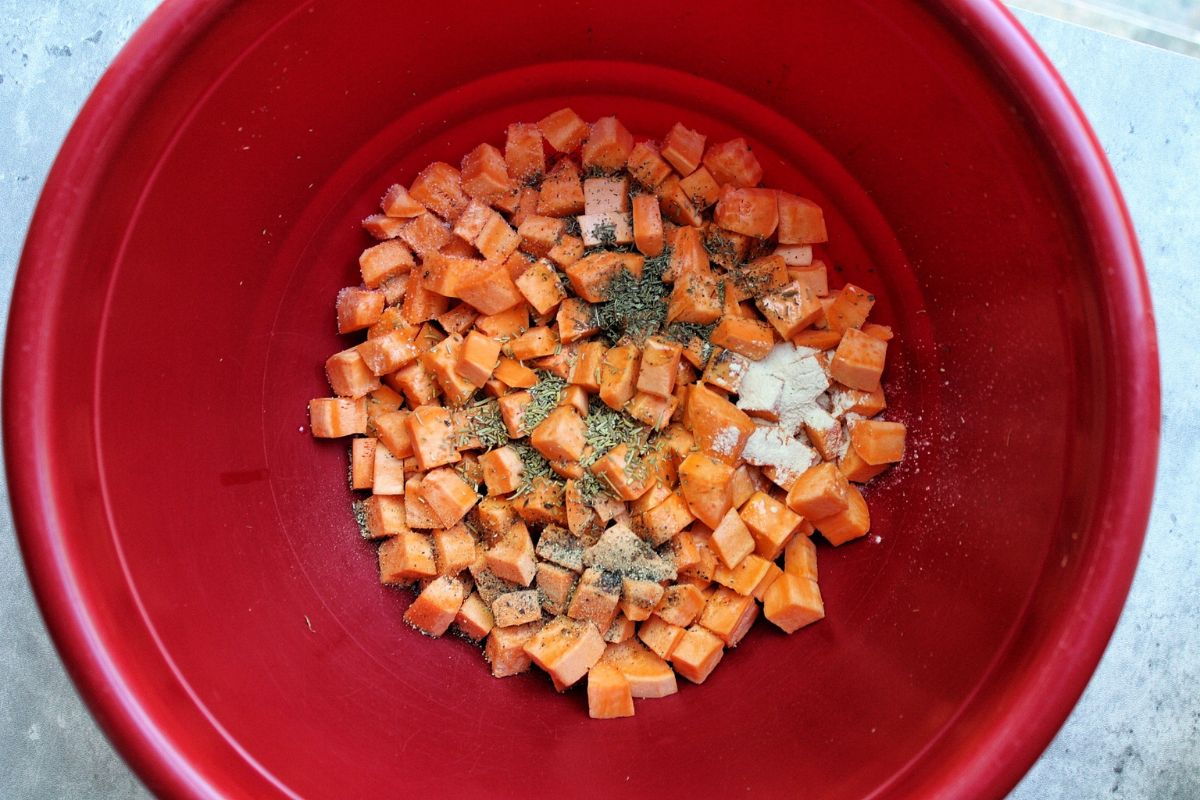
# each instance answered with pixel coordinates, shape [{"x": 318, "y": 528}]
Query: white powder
[
  {"x": 785, "y": 384},
  {"x": 760, "y": 392},
  {"x": 725, "y": 440},
  {"x": 771, "y": 446}
]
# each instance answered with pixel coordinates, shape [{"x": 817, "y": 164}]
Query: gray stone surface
[{"x": 1136, "y": 731}]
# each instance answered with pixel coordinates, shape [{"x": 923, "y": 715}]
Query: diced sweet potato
[
  {"x": 485, "y": 173},
  {"x": 819, "y": 492},
  {"x": 387, "y": 353},
  {"x": 383, "y": 515},
  {"x": 332, "y": 417},
  {"x": 646, "y": 165},
  {"x": 660, "y": 358},
  {"x": 651, "y": 410},
  {"x": 387, "y": 473},
  {"x": 801, "y": 221},
  {"x": 474, "y": 618},
  {"x": 383, "y": 227},
  {"x": 349, "y": 376},
  {"x": 478, "y": 358},
  {"x": 800, "y": 557},
  {"x": 405, "y": 557},
  {"x": 695, "y": 297},
  {"x": 856, "y": 469},
  {"x": 793, "y": 602},
  {"x": 850, "y": 523},
  {"x": 517, "y": 608},
  {"x": 849, "y": 308},
  {"x": 511, "y": 556},
  {"x": 877, "y": 441},
  {"x": 719, "y": 427},
  {"x": 606, "y": 229},
  {"x": 383, "y": 261},
  {"x": 555, "y": 583},
  {"x": 680, "y": 605},
  {"x": 362, "y": 462},
  {"x": 660, "y": 636},
  {"x": 442, "y": 361},
  {"x": 497, "y": 241},
  {"x": 613, "y": 469},
  {"x": 684, "y": 148},
  {"x": 858, "y": 361},
  {"x": 539, "y": 234},
  {"x": 770, "y": 522},
  {"x": 397, "y": 202},
  {"x": 421, "y": 304},
  {"x": 697, "y": 654},
  {"x": 566, "y": 648},
  {"x": 790, "y": 309},
  {"x": 591, "y": 275},
  {"x": 675, "y": 205},
  {"x": 564, "y": 130},
  {"x": 748, "y": 337},
  {"x": 430, "y": 432},
  {"x": 436, "y": 606},
  {"x": 704, "y": 481},
  {"x": 745, "y": 577},
  {"x": 515, "y": 374},
  {"x": 609, "y": 694},
  {"x": 666, "y": 519},
  {"x": 753, "y": 212},
  {"x": 447, "y": 495},
  {"x": 490, "y": 290},
  {"x": 439, "y": 188},
  {"x": 561, "y": 193},
  {"x": 647, "y": 225},
  {"x": 502, "y": 470},
  {"x": 523, "y": 154},
  {"x": 639, "y": 598},
  {"x": 512, "y": 411},
  {"x": 622, "y": 630},
  {"x": 561, "y": 436},
  {"x": 596, "y": 597},
  {"x": 534, "y": 343},
  {"x": 453, "y": 549},
  {"x": 729, "y": 615},
  {"x": 648, "y": 675},
  {"x": 505, "y": 649},
  {"x": 607, "y": 146},
  {"x": 733, "y": 163},
  {"x": 725, "y": 370},
  {"x": 541, "y": 287},
  {"x": 603, "y": 195},
  {"x": 618, "y": 372},
  {"x": 426, "y": 234},
  {"x": 701, "y": 188},
  {"x": 575, "y": 320}
]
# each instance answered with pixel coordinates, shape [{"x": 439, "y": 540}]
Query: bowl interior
[{"x": 209, "y": 537}]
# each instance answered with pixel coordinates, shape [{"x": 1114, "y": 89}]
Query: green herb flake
[
  {"x": 545, "y": 395},
  {"x": 487, "y": 424},
  {"x": 637, "y": 307}
]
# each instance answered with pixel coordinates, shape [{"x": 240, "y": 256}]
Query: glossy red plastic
[{"x": 192, "y": 546}]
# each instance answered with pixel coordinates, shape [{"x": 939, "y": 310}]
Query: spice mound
[{"x": 603, "y": 403}]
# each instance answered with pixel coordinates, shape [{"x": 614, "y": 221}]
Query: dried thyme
[{"x": 637, "y": 307}]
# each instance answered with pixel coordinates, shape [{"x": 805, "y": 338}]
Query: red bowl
[{"x": 192, "y": 547}]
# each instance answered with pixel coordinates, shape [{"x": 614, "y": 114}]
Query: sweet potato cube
[
  {"x": 849, "y": 308},
  {"x": 618, "y": 375},
  {"x": 534, "y": 343},
  {"x": 719, "y": 427},
  {"x": 622, "y": 630},
  {"x": 517, "y": 608},
  {"x": 613, "y": 469},
  {"x": 585, "y": 372},
  {"x": 566, "y": 648},
  {"x": 332, "y": 417},
  {"x": 383, "y": 515},
  {"x": 439, "y": 188},
  {"x": 502, "y": 470},
  {"x": 541, "y": 287},
  {"x": 639, "y": 598},
  {"x": 362, "y": 462},
  {"x": 555, "y": 584},
  {"x": 660, "y": 636},
  {"x": 430, "y": 432},
  {"x": 662, "y": 522},
  {"x": 383, "y": 227},
  {"x": 704, "y": 482},
  {"x": 397, "y": 202},
  {"x": 515, "y": 374},
  {"x": 387, "y": 353},
  {"x": 800, "y": 557},
  {"x": 512, "y": 411},
  {"x": 647, "y": 226},
  {"x": 648, "y": 675},
  {"x": 651, "y": 410},
  {"x": 421, "y": 304},
  {"x": 453, "y": 548},
  {"x": 436, "y": 606},
  {"x": 417, "y": 513},
  {"x": 602, "y": 195},
  {"x": 387, "y": 474},
  {"x": 474, "y": 618},
  {"x": 660, "y": 359},
  {"x": 561, "y": 193},
  {"x": 684, "y": 148},
  {"x": 497, "y": 240},
  {"x": 701, "y": 188},
  {"x": 858, "y": 361},
  {"x": 591, "y": 275},
  {"x": 753, "y": 212},
  {"x": 349, "y": 375},
  {"x": 426, "y": 234},
  {"x": 819, "y": 492},
  {"x": 793, "y": 602},
  {"x": 675, "y": 205},
  {"x": 384, "y": 260},
  {"x": 725, "y": 370},
  {"x": 523, "y": 154},
  {"x": 448, "y": 495},
  {"x": 877, "y": 441},
  {"x": 596, "y": 597},
  {"x": 609, "y": 694},
  {"x": 790, "y": 309},
  {"x": 490, "y": 290},
  {"x": 471, "y": 221},
  {"x": 729, "y": 615},
  {"x": 478, "y": 358},
  {"x": 505, "y": 649},
  {"x": 564, "y": 130},
  {"x": 856, "y": 469},
  {"x": 405, "y": 557},
  {"x": 561, "y": 436},
  {"x": 442, "y": 361},
  {"x": 850, "y": 523},
  {"x": 568, "y": 250},
  {"x": 731, "y": 539},
  {"x": 745, "y": 577},
  {"x": 358, "y": 308},
  {"x": 575, "y": 320},
  {"x": 697, "y": 654},
  {"x": 485, "y": 173},
  {"x": 539, "y": 234},
  {"x": 770, "y": 522},
  {"x": 608, "y": 145},
  {"x": 606, "y": 229},
  {"x": 511, "y": 556},
  {"x": 733, "y": 163},
  {"x": 749, "y": 337},
  {"x": 394, "y": 433},
  {"x": 680, "y": 604},
  {"x": 646, "y": 165},
  {"x": 695, "y": 297},
  {"x": 801, "y": 221}
]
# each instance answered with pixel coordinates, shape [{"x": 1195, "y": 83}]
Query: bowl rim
[{"x": 1003, "y": 749}]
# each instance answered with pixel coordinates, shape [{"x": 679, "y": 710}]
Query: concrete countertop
[{"x": 1136, "y": 731}]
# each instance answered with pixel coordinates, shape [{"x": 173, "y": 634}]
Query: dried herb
[
  {"x": 545, "y": 395},
  {"x": 637, "y": 307},
  {"x": 487, "y": 424}
]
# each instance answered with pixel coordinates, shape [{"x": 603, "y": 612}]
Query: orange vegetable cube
[
  {"x": 877, "y": 441},
  {"x": 387, "y": 353},
  {"x": 660, "y": 636},
  {"x": 517, "y": 608},
  {"x": 426, "y": 234},
  {"x": 618, "y": 374},
  {"x": 349, "y": 375},
  {"x": 582, "y": 519},
  {"x": 505, "y": 649},
  {"x": 497, "y": 240},
  {"x": 646, "y": 166},
  {"x": 883, "y": 332},
  {"x": 697, "y": 654},
  {"x": 429, "y": 429},
  {"x": 856, "y": 469},
  {"x": 442, "y": 362},
  {"x": 387, "y": 473},
  {"x": 613, "y": 469},
  {"x": 748, "y": 337},
  {"x": 725, "y": 370},
  {"x": 850, "y": 523},
  {"x": 417, "y": 384},
  {"x": 745, "y": 577},
  {"x": 417, "y": 513},
  {"x": 564, "y": 130},
  {"x": 731, "y": 539},
  {"x": 541, "y": 287},
  {"x": 568, "y": 250},
  {"x": 819, "y": 492},
  {"x": 660, "y": 358},
  {"x": 393, "y": 432},
  {"x": 694, "y": 298},
  {"x": 701, "y": 188},
  {"x": 471, "y": 221},
  {"x": 662, "y": 522},
  {"x": 436, "y": 606},
  {"x": 753, "y": 212},
  {"x": 453, "y": 549},
  {"x": 639, "y": 598},
  {"x": 729, "y": 615},
  {"x": 817, "y": 339},
  {"x": 793, "y": 602},
  {"x": 561, "y": 436},
  {"x": 684, "y": 148},
  {"x": 596, "y": 597},
  {"x": 680, "y": 605},
  {"x": 648, "y": 675},
  {"x": 332, "y": 417},
  {"x": 490, "y": 290},
  {"x": 421, "y": 304},
  {"x": 406, "y": 556},
  {"x": 397, "y": 202},
  {"x": 534, "y": 343},
  {"x": 566, "y": 648},
  {"x": 591, "y": 275},
  {"x": 474, "y": 618},
  {"x": 609, "y": 694},
  {"x": 622, "y": 630},
  {"x": 511, "y": 556},
  {"x": 502, "y": 470},
  {"x": 801, "y": 221},
  {"x": 561, "y": 193},
  {"x": 705, "y": 483},
  {"x": 384, "y": 260},
  {"x": 515, "y": 374},
  {"x": 439, "y": 188},
  {"x": 604, "y": 195},
  {"x": 477, "y": 358},
  {"x": 485, "y": 173},
  {"x": 790, "y": 309},
  {"x": 800, "y": 557},
  {"x": 362, "y": 462},
  {"x": 606, "y": 229},
  {"x": 447, "y": 495},
  {"x": 858, "y": 361},
  {"x": 849, "y": 308},
  {"x": 543, "y": 503},
  {"x": 539, "y": 234},
  {"x": 383, "y": 515},
  {"x": 770, "y": 522},
  {"x": 647, "y": 225},
  {"x": 733, "y": 163},
  {"x": 719, "y": 427},
  {"x": 505, "y": 323},
  {"x": 555, "y": 583},
  {"x": 523, "y": 154},
  {"x": 382, "y": 226},
  {"x": 512, "y": 411},
  {"x": 575, "y": 320},
  {"x": 652, "y": 410},
  {"x": 815, "y": 276},
  {"x": 675, "y": 204},
  {"x": 607, "y": 146}
]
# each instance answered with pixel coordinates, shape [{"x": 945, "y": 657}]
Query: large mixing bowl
[{"x": 192, "y": 547}]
